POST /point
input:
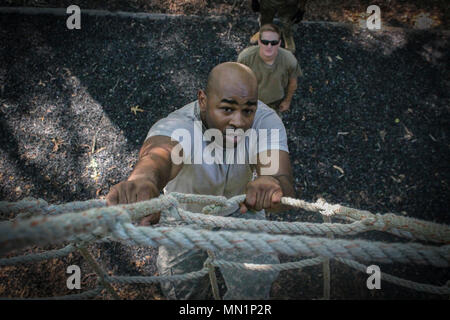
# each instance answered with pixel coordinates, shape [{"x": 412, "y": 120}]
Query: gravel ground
[{"x": 369, "y": 128}]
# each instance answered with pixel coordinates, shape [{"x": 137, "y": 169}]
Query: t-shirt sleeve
[
  {"x": 271, "y": 133},
  {"x": 241, "y": 58},
  {"x": 167, "y": 126},
  {"x": 178, "y": 130},
  {"x": 294, "y": 69}
]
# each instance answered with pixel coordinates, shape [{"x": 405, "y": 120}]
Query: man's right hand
[{"x": 134, "y": 191}]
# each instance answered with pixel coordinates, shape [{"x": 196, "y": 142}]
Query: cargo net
[{"x": 81, "y": 223}]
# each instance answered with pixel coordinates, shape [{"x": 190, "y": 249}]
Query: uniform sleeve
[
  {"x": 243, "y": 57},
  {"x": 178, "y": 130},
  {"x": 294, "y": 67},
  {"x": 271, "y": 133}
]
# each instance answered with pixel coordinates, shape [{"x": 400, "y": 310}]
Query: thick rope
[
  {"x": 212, "y": 275},
  {"x": 101, "y": 274},
  {"x": 78, "y": 296},
  {"x": 55, "y": 229},
  {"x": 84, "y": 295},
  {"x": 90, "y": 221},
  {"x": 267, "y": 267},
  {"x": 154, "y": 279},
  {"x": 398, "y": 281},
  {"x": 184, "y": 237},
  {"x": 29, "y": 207},
  {"x": 276, "y": 227},
  {"x": 38, "y": 256},
  {"x": 116, "y": 220},
  {"x": 398, "y": 225},
  {"x": 401, "y": 226}
]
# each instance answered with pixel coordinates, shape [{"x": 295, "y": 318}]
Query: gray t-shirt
[{"x": 215, "y": 179}]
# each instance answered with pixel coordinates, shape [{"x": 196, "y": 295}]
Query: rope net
[{"x": 81, "y": 223}]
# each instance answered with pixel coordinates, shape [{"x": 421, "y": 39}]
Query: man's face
[
  {"x": 267, "y": 47},
  {"x": 231, "y": 106}
]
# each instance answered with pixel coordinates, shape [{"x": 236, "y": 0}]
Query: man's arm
[
  {"x": 152, "y": 172},
  {"x": 155, "y": 162},
  {"x": 274, "y": 181},
  {"x": 286, "y": 103}
]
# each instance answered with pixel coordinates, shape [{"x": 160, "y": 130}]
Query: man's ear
[{"x": 202, "y": 100}]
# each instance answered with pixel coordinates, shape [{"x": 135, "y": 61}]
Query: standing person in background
[
  {"x": 289, "y": 12},
  {"x": 276, "y": 69}
]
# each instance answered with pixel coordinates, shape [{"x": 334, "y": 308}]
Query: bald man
[{"x": 228, "y": 104}]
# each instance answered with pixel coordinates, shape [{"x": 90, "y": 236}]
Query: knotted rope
[{"x": 38, "y": 223}]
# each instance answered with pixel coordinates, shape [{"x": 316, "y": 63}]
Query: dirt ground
[{"x": 369, "y": 125}]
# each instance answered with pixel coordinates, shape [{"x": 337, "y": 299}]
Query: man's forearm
[
  {"x": 149, "y": 167},
  {"x": 155, "y": 163},
  {"x": 292, "y": 86},
  {"x": 286, "y": 183}
]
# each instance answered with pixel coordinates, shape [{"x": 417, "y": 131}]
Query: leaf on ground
[
  {"x": 408, "y": 134},
  {"x": 101, "y": 149},
  {"x": 136, "y": 109},
  {"x": 338, "y": 169},
  {"x": 57, "y": 143}
]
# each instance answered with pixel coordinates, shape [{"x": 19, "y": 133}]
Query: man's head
[
  {"x": 269, "y": 41},
  {"x": 230, "y": 99}
]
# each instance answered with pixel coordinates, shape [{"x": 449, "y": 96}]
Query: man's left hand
[
  {"x": 263, "y": 193},
  {"x": 284, "y": 106}
]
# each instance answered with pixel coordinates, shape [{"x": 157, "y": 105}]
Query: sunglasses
[{"x": 273, "y": 43}]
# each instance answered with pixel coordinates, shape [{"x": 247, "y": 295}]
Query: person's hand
[
  {"x": 134, "y": 191},
  {"x": 263, "y": 193},
  {"x": 284, "y": 106}
]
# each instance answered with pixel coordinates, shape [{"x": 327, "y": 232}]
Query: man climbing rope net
[{"x": 226, "y": 108}]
